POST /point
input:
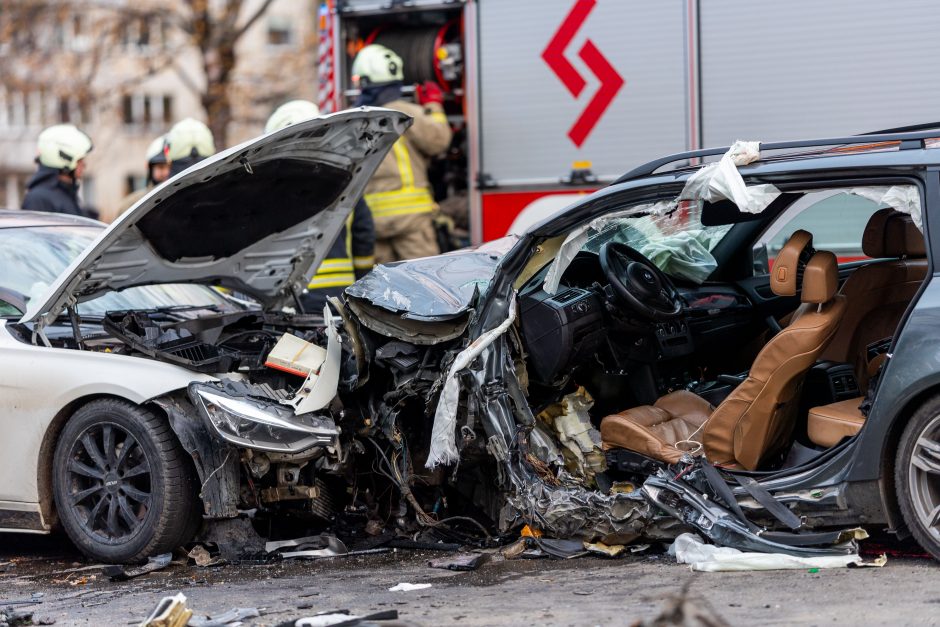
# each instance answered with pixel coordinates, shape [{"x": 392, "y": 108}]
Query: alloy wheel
[{"x": 109, "y": 482}]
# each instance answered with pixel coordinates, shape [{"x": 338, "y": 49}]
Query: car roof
[
  {"x": 17, "y": 218},
  {"x": 884, "y": 148}
]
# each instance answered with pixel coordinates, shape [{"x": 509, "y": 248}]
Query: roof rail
[{"x": 912, "y": 139}]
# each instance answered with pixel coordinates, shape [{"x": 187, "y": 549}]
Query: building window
[
  {"x": 147, "y": 111},
  {"x": 279, "y": 31}
]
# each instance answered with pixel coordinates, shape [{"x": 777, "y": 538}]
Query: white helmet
[
  {"x": 62, "y": 146},
  {"x": 189, "y": 138},
  {"x": 291, "y": 113},
  {"x": 156, "y": 151},
  {"x": 375, "y": 64}
]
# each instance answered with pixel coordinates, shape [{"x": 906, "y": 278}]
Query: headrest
[
  {"x": 890, "y": 233},
  {"x": 783, "y": 277},
  {"x": 820, "y": 278}
]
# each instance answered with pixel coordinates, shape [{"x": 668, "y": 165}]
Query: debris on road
[
  {"x": 463, "y": 562},
  {"x": 202, "y": 557},
  {"x": 690, "y": 549},
  {"x": 169, "y": 612},
  {"x": 233, "y": 616},
  {"x": 309, "y": 547},
  {"x": 408, "y": 587},
  {"x": 342, "y": 618},
  {"x": 123, "y": 573}
]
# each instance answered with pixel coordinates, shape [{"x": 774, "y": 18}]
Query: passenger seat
[
  {"x": 827, "y": 425},
  {"x": 877, "y": 294}
]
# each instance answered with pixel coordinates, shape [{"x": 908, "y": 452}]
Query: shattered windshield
[
  {"x": 669, "y": 233},
  {"x": 32, "y": 258},
  {"x": 676, "y": 242}
]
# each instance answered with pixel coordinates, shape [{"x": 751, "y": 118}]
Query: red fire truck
[{"x": 550, "y": 99}]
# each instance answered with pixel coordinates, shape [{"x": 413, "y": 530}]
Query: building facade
[{"x": 124, "y": 71}]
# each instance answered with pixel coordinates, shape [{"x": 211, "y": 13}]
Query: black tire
[
  {"x": 124, "y": 488},
  {"x": 917, "y": 476}
]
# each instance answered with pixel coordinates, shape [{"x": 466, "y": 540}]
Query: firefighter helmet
[
  {"x": 189, "y": 138},
  {"x": 62, "y": 146},
  {"x": 291, "y": 113},
  {"x": 156, "y": 151},
  {"x": 375, "y": 65}
]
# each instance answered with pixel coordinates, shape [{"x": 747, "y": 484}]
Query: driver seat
[{"x": 757, "y": 418}]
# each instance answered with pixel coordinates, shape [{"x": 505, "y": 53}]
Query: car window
[
  {"x": 32, "y": 258},
  {"x": 836, "y": 219}
]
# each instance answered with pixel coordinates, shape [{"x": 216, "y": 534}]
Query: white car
[{"x": 115, "y": 424}]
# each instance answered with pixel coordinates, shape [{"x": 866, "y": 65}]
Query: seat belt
[
  {"x": 721, "y": 489},
  {"x": 774, "y": 507}
]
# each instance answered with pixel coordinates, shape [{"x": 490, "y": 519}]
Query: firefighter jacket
[
  {"x": 45, "y": 191},
  {"x": 350, "y": 256},
  {"x": 400, "y": 185}
]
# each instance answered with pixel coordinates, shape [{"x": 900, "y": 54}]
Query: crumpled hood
[
  {"x": 433, "y": 288},
  {"x": 257, "y": 218}
]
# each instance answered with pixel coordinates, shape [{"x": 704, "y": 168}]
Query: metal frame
[{"x": 908, "y": 141}]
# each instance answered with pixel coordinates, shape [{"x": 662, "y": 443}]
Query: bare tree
[{"x": 214, "y": 28}]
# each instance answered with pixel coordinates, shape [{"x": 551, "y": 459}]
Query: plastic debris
[
  {"x": 582, "y": 451},
  {"x": 123, "y": 573},
  {"x": 234, "y": 615},
  {"x": 466, "y": 561},
  {"x": 604, "y": 549},
  {"x": 169, "y": 612},
  {"x": 309, "y": 547},
  {"x": 408, "y": 587},
  {"x": 689, "y": 549},
  {"x": 342, "y": 618}
]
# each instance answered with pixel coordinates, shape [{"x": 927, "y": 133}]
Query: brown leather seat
[
  {"x": 828, "y": 424},
  {"x": 758, "y": 416},
  {"x": 877, "y": 294}
]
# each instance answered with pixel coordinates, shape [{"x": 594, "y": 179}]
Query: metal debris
[
  {"x": 123, "y": 573},
  {"x": 169, "y": 612},
  {"x": 310, "y": 547},
  {"x": 466, "y": 561}
]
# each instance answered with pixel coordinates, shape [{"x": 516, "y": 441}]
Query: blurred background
[{"x": 548, "y": 99}]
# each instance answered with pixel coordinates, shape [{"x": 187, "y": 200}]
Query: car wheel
[
  {"x": 917, "y": 476},
  {"x": 124, "y": 488}
]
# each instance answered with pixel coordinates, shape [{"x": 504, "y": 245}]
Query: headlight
[{"x": 259, "y": 425}]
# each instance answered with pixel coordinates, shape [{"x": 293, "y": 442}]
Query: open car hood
[{"x": 258, "y": 218}]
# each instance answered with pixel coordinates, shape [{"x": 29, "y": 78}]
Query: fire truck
[{"x": 550, "y": 99}]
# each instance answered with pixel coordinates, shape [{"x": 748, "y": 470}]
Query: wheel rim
[{"x": 109, "y": 483}]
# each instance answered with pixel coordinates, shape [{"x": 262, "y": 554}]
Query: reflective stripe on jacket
[
  {"x": 400, "y": 184},
  {"x": 352, "y": 252}
]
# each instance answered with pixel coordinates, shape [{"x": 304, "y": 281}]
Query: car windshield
[{"x": 31, "y": 258}]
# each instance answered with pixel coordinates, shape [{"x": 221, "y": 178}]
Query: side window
[
  {"x": 835, "y": 218},
  {"x": 9, "y": 309}
]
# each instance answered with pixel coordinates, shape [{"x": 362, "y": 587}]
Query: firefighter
[
  {"x": 188, "y": 142},
  {"x": 399, "y": 195},
  {"x": 61, "y": 163},
  {"x": 350, "y": 256},
  {"x": 158, "y": 170}
]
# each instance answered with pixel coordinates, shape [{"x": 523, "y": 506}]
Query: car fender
[{"x": 38, "y": 382}]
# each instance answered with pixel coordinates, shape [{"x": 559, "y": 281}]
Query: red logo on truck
[{"x": 610, "y": 80}]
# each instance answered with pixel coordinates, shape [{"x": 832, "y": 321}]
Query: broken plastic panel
[{"x": 321, "y": 386}]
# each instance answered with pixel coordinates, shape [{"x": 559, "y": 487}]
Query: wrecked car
[
  {"x": 739, "y": 348},
  {"x": 136, "y": 399}
]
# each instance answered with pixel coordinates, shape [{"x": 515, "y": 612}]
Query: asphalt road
[{"x": 582, "y": 591}]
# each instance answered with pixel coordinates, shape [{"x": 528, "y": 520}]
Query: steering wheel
[{"x": 639, "y": 284}]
